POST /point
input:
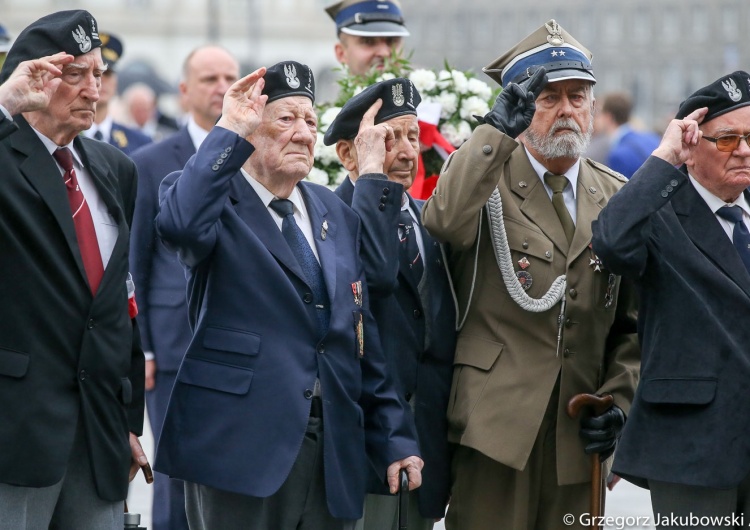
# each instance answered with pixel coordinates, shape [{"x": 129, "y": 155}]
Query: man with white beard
[{"x": 541, "y": 318}]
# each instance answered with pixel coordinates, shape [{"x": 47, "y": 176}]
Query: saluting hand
[
  {"x": 514, "y": 108},
  {"x": 244, "y": 103},
  {"x": 32, "y": 83},
  {"x": 680, "y": 137},
  {"x": 373, "y": 141}
]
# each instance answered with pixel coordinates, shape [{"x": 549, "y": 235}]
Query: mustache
[{"x": 564, "y": 123}]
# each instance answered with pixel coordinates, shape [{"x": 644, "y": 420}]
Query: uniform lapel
[
  {"x": 702, "y": 227},
  {"x": 322, "y": 225},
  {"x": 40, "y": 169},
  {"x": 589, "y": 202},
  {"x": 536, "y": 204}
]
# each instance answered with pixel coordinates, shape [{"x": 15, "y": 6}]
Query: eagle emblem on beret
[
  {"x": 84, "y": 42},
  {"x": 291, "y": 76},
  {"x": 397, "y": 91},
  {"x": 731, "y": 87}
]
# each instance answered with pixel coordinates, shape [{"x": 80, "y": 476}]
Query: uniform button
[
  {"x": 592, "y": 189},
  {"x": 525, "y": 244},
  {"x": 383, "y": 199},
  {"x": 381, "y": 206},
  {"x": 522, "y": 184},
  {"x": 674, "y": 183},
  {"x": 308, "y": 394},
  {"x": 670, "y": 188},
  {"x": 548, "y": 254},
  {"x": 417, "y": 313},
  {"x": 82, "y": 375},
  {"x": 567, "y": 353},
  {"x": 91, "y": 324},
  {"x": 215, "y": 167},
  {"x": 228, "y": 150},
  {"x": 223, "y": 155},
  {"x": 573, "y": 293},
  {"x": 665, "y": 193},
  {"x": 386, "y": 191},
  {"x": 321, "y": 348},
  {"x": 307, "y": 298},
  {"x": 219, "y": 161},
  {"x": 487, "y": 149}
]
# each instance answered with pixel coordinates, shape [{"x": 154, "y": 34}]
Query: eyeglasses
[{"x": 728, "y": 142}]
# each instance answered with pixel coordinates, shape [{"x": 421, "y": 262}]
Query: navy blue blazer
[
  {"x": 417, "y": 331},
  {"x": 690, "y": 416},
  {"x": 127, "y": 139},
  {"x": 240, "y": 406},
  {"x": 159, "y": 277}
]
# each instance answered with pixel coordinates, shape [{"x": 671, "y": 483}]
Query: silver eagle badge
[
  {"x": 731, "y": 87},
  {"x": 291, "y": 76},
  {"x": 84, "y": 42},
  {"x": 397, "y": 91}
]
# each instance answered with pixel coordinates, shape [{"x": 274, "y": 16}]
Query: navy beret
[
  {"x": 111, "y": 49},
  {"x": 74, "y": 32},
  {"x": 723, "y": 95},
  {"x": 400, "y": 97},
  {"x": 289, "y": 78}
]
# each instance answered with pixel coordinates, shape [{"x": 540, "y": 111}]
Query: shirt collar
[
  {"x": 571, "y": 174},
  {"x": 196, "y": 132},
  {"x": 52, "y": 147},
  {"x": 266, "y": 196},
  {"x": 714, "y": 202}
]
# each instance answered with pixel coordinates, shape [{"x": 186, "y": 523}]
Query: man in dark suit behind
[
  {"x": 71, "y": 366},
  {"x": 283, "y": 393},
  {"x": 682, "y": 234},
  {"x": 163, "y": 317},
  {"x": 412, "y": 302}
]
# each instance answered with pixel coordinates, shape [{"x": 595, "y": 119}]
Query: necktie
[
  {"x": 306, "y": 258},
  {"x": 84, "y": 224},
  {"x": 557, "y": 183},
  {"x": 740, "y": 234},
  {"x": 98, "y": 135},
  {"x": 411, "y": 260}
]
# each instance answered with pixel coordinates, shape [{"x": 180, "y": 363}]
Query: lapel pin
[{"x": 324, "y": 230}]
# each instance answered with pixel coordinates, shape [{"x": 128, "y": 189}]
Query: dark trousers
[
  {"x": 300, "y": 503},
  {"x": 700, "y": 507},
  {"x": 168, "y": 508}
]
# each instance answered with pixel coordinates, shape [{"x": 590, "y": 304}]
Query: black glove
[
  {"x": 602, "y": 432},
  {"x": 514, "y": 107}
]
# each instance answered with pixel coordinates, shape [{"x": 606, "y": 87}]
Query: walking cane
[
  {"x": 598, "y": 405},
  {"x": 403, "y": 500}
]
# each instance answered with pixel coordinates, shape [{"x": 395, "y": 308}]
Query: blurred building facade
[{"x": 658, "y": 50}]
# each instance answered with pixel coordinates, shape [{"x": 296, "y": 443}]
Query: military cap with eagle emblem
[
  {"x": 368, "y": 18},
  {"x": 550, "y": 46},
  {"x": 111, "y": 49},
  {"x": 724, "y": 95},
  {"x": 74, "y": 32},
  {"x": 400, "y": 97},
  {"x": 289, "y": 78}
]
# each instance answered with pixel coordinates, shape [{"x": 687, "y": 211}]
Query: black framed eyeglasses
[{"x": 728, "y": 142}]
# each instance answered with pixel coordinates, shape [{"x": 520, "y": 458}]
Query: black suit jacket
[
  {"x": 417, "y": 330},
  {"x": 162, "y": 298},
  {"x": 690, "y": 417},
  {"x": 65, "y": 357}
]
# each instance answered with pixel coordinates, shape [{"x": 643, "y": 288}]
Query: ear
[
  {"x": 340, "y": 52},
  {"x": 347, "y": 154}
]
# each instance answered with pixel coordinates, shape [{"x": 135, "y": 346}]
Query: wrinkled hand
[
  {"x": 373, "y": 141},
  {"x": 32, "y": 83},
  {"x": 515, "y": 106},
  {"x": 413, "y": 466},
  {"x": 150, "y": 374},
  {"x": 243, "y": 106},
  {"x": 680, "y": 137},
  {"x": 602, "y": 432},
  {"x": 139, "y": 460}
]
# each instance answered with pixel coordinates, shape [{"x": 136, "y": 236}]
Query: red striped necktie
[{"x": 84, "y": 224}]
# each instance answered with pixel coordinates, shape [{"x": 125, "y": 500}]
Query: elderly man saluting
[{"x": 283, "y": 393}]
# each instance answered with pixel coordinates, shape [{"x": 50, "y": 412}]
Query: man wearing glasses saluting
[{"x": 682, "y": 235}]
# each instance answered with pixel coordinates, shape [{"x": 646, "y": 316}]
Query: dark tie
[
  {"x": 740, "y": 234},
  {"x": 98, "y": 135},
  {"x": 411, "y": 259},
  {"x": 306, "y": 258},
  {"x": 84, "y": 224},
  {"x": 557, "y": 184}
]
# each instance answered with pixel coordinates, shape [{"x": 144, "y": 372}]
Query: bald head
[{"x": 207, "y": 74}]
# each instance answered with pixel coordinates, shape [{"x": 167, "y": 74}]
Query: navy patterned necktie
[
  {"x": 306, "y": 258},
  {"x": 740, "y": 234},
  {"x": 411, "y": 259}
]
